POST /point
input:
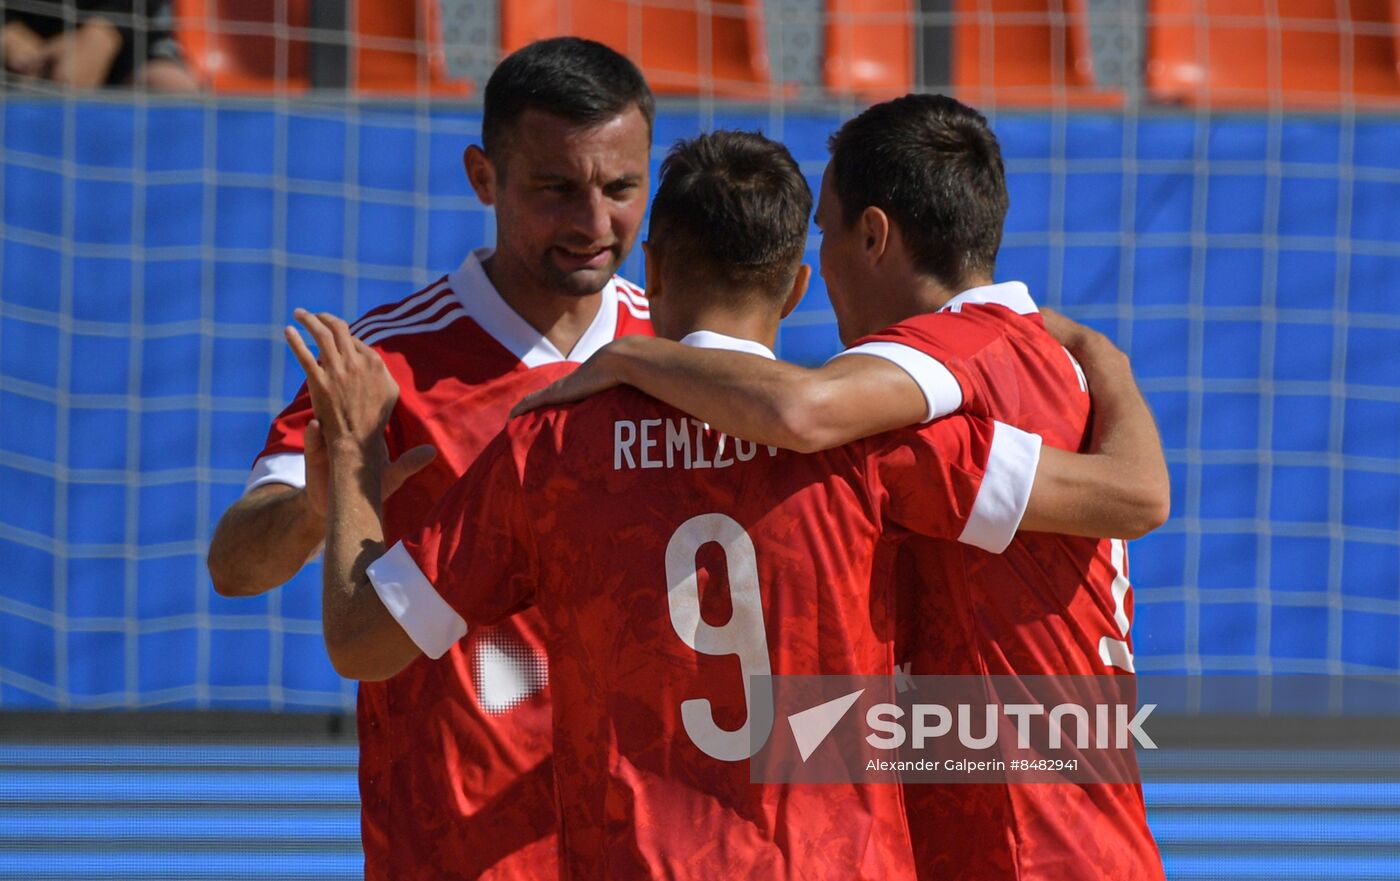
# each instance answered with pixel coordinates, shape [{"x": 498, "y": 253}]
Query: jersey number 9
[{"x": 743, "y": 634}]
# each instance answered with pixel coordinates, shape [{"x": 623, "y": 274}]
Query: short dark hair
[
  {"x": 579, "y": 80},
  {"x": 735, "y": 208},
  {"x": 933, "y": 165}
]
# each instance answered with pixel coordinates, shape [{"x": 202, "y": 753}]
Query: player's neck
[
  {"x": 560, "y": 318},
  {"x": 924, "y": 294},
  {"x": 740, "y": 325}
]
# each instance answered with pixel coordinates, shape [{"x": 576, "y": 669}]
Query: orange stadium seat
[
  {"x": 870, "y": 47},
  {"x": 398, "y": 49},
  {"x": 683, "y": 46},
  {"x": 1025, "y": 53},
  {"x": 1296, "y": 53},
  {"x": 245, "y": 45},
  {"x": 262, "y": 46}
]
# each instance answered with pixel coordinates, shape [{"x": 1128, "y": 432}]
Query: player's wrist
[
  {"x": 358, "y": 469},
  {"x": 347, "y": 451}
]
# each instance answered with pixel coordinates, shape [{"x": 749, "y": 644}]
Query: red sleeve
[
  {"x": 474, "y": 560},
  {"x": 288, "y": 431},
  {"x": 962, "y": 478}
]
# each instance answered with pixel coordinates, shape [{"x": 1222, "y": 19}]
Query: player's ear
[
  {"x": 799, "y": 288},
  {"x": 874, "y": 229},
  {"x": 481, "y": 174},
  {"x": 653, "y": 271}
]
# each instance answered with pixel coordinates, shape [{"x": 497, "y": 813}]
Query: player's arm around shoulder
[
  {"x": 755, "y": 398},
  {"x": 1121, "y": 488}
]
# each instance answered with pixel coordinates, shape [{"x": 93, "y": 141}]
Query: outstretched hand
[
  {"x": 351, "y": 389},
  {"x": 591, "y": 377},
  {"x": 352, "y": 394}
]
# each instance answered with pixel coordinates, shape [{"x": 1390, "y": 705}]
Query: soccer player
[
  {"x": 454, "y": 774},
  {"x": 911, "y": 210},
  {"x": 671, "y": 562}
]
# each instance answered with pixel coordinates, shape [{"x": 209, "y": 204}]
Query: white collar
[
  {"x": 708, "y": 339},
  {"x": 484, "y": 304},
  {"x": 1014, "y": 295}
]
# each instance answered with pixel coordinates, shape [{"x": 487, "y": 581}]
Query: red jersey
[
  {"x": 1049, "y": 604},
  {"x": 671, "y": 563},
  {"x": 455, "y": 780}
]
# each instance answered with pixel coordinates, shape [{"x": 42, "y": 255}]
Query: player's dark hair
[
  {"x": 933, "y": 165},
  {"x": 733, "y": 208},
  {"x": 579, "y": 80}
]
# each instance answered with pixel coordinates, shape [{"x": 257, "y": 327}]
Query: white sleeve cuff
[
  {"x": 940, "y": 387},
  {"x": 410, "y": 597},
  {"x": 1006, "y": 489},
  {"x": 286, "y": 468}
]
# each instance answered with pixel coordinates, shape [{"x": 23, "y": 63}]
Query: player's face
[
  {"x": 840, "y": 262},
  {"x": 569, "y": 200}
]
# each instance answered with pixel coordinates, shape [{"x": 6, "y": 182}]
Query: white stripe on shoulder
[
  {"x": 423, "y": 316},
  {"x": 631, "y": 291},
  {"x": 403, "y": 308},
  {"x": 638, "y": 311},
  {"x": 382, "y": 334},
  {"x": 406, "y": 311}
]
